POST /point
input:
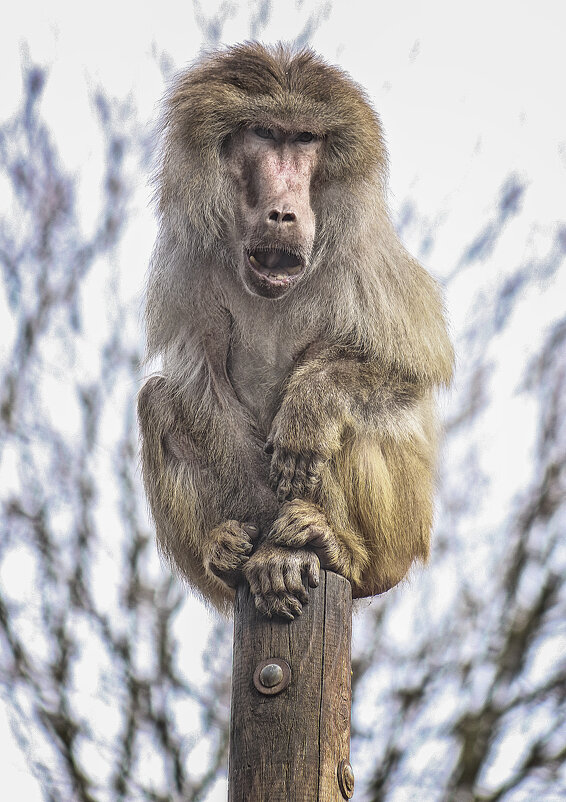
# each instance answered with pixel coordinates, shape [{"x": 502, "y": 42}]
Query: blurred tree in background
[
  {"x": 459, "y": 676},
  {"x": 467, "y": 672},
  {"x": 87, "y": 661}
]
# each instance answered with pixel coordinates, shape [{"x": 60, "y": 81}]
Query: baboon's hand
[
  {"x": 300, "y": 448},
  {"x": 227, "y": 549},
  {"x": 301, "y": 524},
  {"x": 294, "y": 475},
  {"x": 277, "y": 579}
]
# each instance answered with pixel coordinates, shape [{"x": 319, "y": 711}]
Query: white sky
[{"x": 467, "y": 92}]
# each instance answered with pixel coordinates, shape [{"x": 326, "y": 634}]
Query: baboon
[{"x": 292, "y": 424}]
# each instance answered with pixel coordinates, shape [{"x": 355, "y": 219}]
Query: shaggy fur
[{"x": 286, "y": 431}]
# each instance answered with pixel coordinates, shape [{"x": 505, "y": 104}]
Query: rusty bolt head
[
  {"x": 272, "y": 676},
  {"x": 345, "y": 779}
]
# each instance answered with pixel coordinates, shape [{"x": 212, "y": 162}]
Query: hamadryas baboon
[{"x": 292, "y": 422}]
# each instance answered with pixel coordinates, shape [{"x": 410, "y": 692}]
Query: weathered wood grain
[{"x": 287, "y": 746}]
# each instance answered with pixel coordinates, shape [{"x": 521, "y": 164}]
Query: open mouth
[{"x": 276, "y": 266}]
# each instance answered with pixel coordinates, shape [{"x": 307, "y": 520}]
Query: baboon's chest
[
  {"x": 265, "y": 343},
  {"x": 258, "y": 371}
]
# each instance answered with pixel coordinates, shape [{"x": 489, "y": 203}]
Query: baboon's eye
[
  {"x": 305, "y": 136},
  {"x": 263, "y": 133}
]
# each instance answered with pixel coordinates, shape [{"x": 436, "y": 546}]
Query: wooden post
[{"x": 291, "y": 699}]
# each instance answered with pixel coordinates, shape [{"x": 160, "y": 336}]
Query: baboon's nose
[{"x": 278, "y": 217}]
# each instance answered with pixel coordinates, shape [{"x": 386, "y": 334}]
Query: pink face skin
[{"x": 274, "y": 168}]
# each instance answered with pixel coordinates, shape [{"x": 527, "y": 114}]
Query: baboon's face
[{"x": 273, "y": 169}]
